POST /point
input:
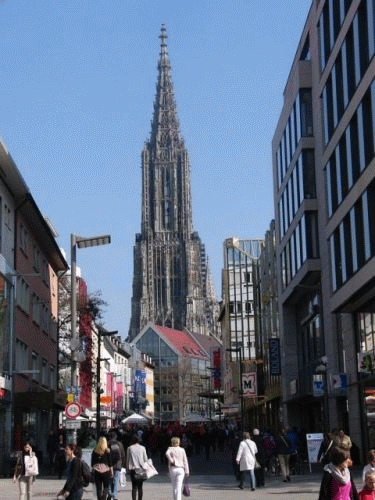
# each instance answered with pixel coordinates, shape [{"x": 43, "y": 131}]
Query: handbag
[
  {"x": 31, "y": 466},
  {"x": 122, "y": 478},
  {"x": 150, "y": 469},
  {"x": 257, "y": 464},
  {"x": 186, "y": 489},
  {"x": 140, "y": 474}
]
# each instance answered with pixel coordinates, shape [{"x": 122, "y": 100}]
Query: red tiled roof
[{"x": 182, "y": 342}]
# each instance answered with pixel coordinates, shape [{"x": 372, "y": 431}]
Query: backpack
[{"x": 85, "y": 474}]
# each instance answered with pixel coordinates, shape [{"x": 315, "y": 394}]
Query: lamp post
[
  {"x": 80, "y": 242},
  {"x": 101, "y": 333},
  {"x": 240, "y": 391}
]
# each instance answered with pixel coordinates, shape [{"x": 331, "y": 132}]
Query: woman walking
[
  {"x": 136, "y": 456},
  {"x": 25, "y": 471},
  {"x": 102, "y": 467},
  {"x": 246, "y": 460},
  {"x": 178, "y": 466},
  {"x": 337, "y": 482},
  {"x": 72, "y": 489}
]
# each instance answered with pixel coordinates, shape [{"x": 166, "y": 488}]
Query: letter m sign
[{"x": 249, "y": 384}]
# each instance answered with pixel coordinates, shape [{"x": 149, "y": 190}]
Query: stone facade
[{"x": 170, "y": 285}]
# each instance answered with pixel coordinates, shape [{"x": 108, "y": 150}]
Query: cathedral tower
[{"x": 170, "y": 266}]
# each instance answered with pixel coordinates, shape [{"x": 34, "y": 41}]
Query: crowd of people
[{"x": 253, "y": 454}]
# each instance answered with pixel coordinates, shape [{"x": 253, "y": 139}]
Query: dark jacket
[
  {"x": 101, "y": 459},
  {"x": 325, "y": 492},
  {"x": 283, "y": 446},
  {"x": 117, "y": 454},
  {"x": 73, "y": 481}
]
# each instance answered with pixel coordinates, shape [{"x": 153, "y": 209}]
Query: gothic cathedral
[{"x": 172, "y": 285}]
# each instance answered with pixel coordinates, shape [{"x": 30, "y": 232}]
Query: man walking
[{"x": 118, "y": 461}]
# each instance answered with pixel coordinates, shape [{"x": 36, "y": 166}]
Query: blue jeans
[
  {"x": 251, "y": 477},
  {"x": 114, "y": 484}
]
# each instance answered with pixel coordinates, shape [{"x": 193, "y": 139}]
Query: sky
[{"x": 77, "y": 86}]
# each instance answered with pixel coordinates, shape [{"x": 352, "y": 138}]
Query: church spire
[{"x": 165, "y": 129}]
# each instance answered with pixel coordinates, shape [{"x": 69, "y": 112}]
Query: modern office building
[
  {"x": 239, "y": 324},
  {"x": 324, "y": 182},
  {"x": 171, "y": 280}
]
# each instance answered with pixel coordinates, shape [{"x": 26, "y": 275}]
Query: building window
[
  {"x": 21, "y": 356},
  {"x": 45, "y": 318},
  {"x": 44, "y": 372},
  {"x": 306, "y": 112},
  {"x": 45, "y": 274},
  {"x": 312, "y": 239},
  {"x": 24, "y": 239},
  {"x": 36, "y": 258},
  {"x": 23, "y": 294},
  {"x": 36, "y": 308},
  {"x": 52, "y": 377},
  {"x": 35, "y": 366}
]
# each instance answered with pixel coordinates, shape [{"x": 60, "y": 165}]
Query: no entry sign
[{"x": 73, "y": 410}]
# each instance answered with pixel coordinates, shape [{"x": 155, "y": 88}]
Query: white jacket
[
  {"x": 177, "y": 458},
  {"x": 245, "y": 457}
]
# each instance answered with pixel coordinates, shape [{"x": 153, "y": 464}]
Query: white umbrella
[{"x": 135, "y": 418}]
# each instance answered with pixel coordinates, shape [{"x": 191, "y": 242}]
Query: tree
[{"x": 90, "y": 311}]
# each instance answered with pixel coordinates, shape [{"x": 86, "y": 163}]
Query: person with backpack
[
  {"x": 117, "y": 454},
  {"x": 73, "y": 488}
]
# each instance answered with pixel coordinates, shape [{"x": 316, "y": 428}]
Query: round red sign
[{"x": 73, "y": 410}]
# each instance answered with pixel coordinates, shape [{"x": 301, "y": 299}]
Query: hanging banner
[
  {"x": 216, "y": 359},
  {"x": 249, "y": 384},
  {"x": 274, "y": 356},
  {"x": 318, "y": 386},
  {"x": 339, "y": 381}
]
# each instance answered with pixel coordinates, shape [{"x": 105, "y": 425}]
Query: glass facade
[
  {"x": 352, "y": 242},
  {"x": 299, "y": 124},
  {"x": 177, "y": 379},
  {"x": 303, "y": 244},
  {"x": 351, "y": 62},
  {"x": 353, "y": 152}
]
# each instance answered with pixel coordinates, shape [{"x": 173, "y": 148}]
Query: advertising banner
[
  {"x": 249, "y": 384},
  {"x": 216, "y": 360},
  {"x": 274, "y": 356}
]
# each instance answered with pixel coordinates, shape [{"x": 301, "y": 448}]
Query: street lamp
[
  {"x": 80, "y": 242},
  {"x": 239, "y": 351},
  {"x": 101, "y": 333}
]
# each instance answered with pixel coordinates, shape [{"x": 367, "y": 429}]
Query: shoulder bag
[{"x": 257, "y": 464}]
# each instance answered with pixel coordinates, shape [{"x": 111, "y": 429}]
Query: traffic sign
[
  {"x": 73, "y": 410},
  {"x": 72, "y": 424}
]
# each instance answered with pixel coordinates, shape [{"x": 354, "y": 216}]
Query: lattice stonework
[{"x": 170, "y": 270}]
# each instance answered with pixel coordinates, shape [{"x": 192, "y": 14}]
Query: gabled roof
[
  {"x": 182, "y": 342},
  {"x": 206, "y": 341}
]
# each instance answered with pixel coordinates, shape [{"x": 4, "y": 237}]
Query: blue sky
[{"x": 77, "y": 85}]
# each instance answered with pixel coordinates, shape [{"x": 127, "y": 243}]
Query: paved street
[{"x": 203, "y": 487}]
